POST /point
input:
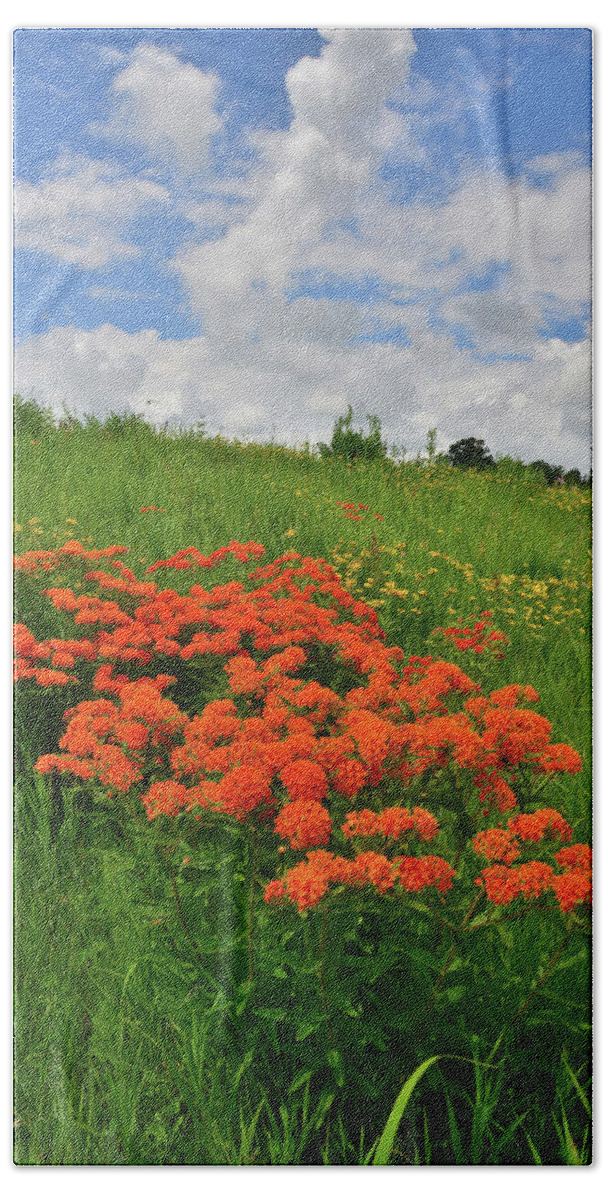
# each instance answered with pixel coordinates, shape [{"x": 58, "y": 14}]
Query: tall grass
[{"x": 138, "y": 1042}]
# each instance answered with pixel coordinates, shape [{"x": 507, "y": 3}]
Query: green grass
[
  {"x": 132, "y": 1050},
  {"x": 518, "y": 536}
]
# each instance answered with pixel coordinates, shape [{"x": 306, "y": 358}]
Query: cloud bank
[{"x": 316, "y": 285}]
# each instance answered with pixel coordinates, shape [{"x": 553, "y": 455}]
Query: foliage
[
  {"x": 556, "y": 475},
  {"x": 431, "y": 445},
  {"x": 30, "y": 420},
  {"x": 353, "y": 444},
  {"x": 139, "y": 1037},
  {"x": 470, "y": 454},
  {"x": 288, "y": 709}
]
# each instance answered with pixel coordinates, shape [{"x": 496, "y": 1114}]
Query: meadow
[{"x": 166, "y": 1012}]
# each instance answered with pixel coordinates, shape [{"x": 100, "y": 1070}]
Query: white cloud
[
  {"x": 79, "y": 211},
  {"x": 315, "y": 202},
  {"x": 217, "y": 212},
  {"x": 527, "y": 409},
  {"x": 166, "y": 105},
  {"x": 320, "y": 206},
  {"x": 105, "y": 370},
  {"x": 319, "y": 172},
  {"x": 110, "y": 56}
]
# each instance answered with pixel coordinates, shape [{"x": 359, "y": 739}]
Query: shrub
[
  {"x": 306, "y": 711},
  {"x": 351, "y": 444},
  {"x": 573, "y": 478},
  {"x": 550, "y": 473},
  {"x": 553, "y": 475}
]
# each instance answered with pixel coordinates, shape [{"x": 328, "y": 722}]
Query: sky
[{"x": 254, "y": 228}]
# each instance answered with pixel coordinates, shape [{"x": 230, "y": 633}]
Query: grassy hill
[
  {"x": 123, "y": 1054},
  {"x": 449, "y": 543}
]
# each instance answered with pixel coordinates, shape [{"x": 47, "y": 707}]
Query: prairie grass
[{"x": 131, "y": 1047}]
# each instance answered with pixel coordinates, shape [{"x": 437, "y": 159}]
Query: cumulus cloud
[
  {"x": 79, "y": 211},
  {"x": 105, "y": 370},
  {"x": 470, "y": 278},
  {"x": 167, "y": 106},
  {"x": 213, "y": 215},
  {"x": 315, "y": 177},
  {"x": 524, "y": 409}
]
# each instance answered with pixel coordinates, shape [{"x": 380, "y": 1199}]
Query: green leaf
[
  {"x": 305, "y": 1028},
  {"x": 334, "y": 1059},
  {"x": 301, "y": 1079},
  {"x": 325, "y": 1103},
  {"x": 568, "y": 962},
  {"x": 387, "y": 1137},
  {"x": 248, "y": 1059},
  {"x": 455, "y": 1133},
  {"x": 452, "y": 995},
  {"x": 581, "y": 1095},
  {"x": 424, "y": 958},
  {"x": 502, "y": 1141},
  {"x": 273, "y": 1014}
]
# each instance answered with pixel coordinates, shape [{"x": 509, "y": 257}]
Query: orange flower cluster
[
  {"x": 105, "y": 740},
  {"x": 479, "y": 636},
  {"x": 191, "y": 557},
  {"x": 308, "y": 882},
  {"x": 391, "y": 823},
  {"x": 281, "y": 748},
  {"x": 504, "y": 884},
  {"x": 502, "y": 847},
  {"x": 57, "y": 652},
  {"x": 355, "y": 512},
  {"x": 49, "y": 560}
]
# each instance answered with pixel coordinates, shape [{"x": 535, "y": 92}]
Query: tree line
[
  {"x": 468, "y": 453},
  {"x": 347, "y": 443}
]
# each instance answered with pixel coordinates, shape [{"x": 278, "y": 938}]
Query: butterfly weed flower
[{"x": 284, "y": 747}]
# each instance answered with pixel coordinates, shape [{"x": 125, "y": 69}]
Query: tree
[
  {"x": 470, "y": 453},
  {"x": 431, "y": 445},
  {"x": 351, "y": 443},
  {"x": 549, "y": 470},
  {"x": 573, "y": 478}
]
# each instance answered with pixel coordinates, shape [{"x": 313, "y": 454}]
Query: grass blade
[
  {"x": 387, "y": 1137},
  {"x": 460, "y": 1156},
  {"x": 533, "y": 1151},
  {"x": 580, "y": 1093}
]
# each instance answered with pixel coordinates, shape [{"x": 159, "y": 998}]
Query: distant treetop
[{"x": 470, "y": 452}]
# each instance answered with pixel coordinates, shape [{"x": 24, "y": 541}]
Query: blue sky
[{"x": 255, "y": 228}]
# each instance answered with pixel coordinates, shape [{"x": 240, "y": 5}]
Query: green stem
[
  {"x": 542, "y": 785},
  {"x": 543, "y": 979},
  {"x": 440, "y": 978},
  {"x": 534, "y": 989},
  {"x": 440, "y": 918},
  {"x": 458, "y": 930},
  {"x": 56, "y": 805},
  {"x": 322, "y": 980},
  {"x": 136, "y": 817},
  {"x": 181, "y": 917},
  {"x": 471, "y": 910},
  {"x": 250, "y": 915},
  {"x": 523, "y": 912}
]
